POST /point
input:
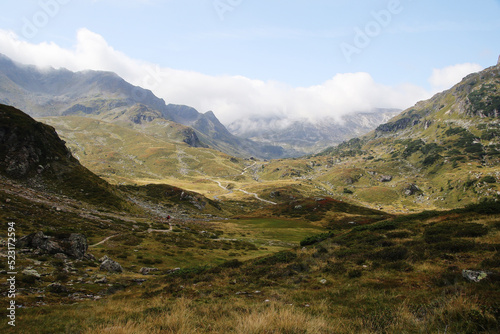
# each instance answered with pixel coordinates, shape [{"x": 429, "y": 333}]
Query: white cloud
[
  {"x": 230, "y": 97},
  {"x": 447, "y": 77}
]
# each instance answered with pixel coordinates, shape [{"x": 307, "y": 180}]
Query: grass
[{"x": 381, "y": 277}]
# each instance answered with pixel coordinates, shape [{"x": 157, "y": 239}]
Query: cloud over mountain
[{"x": 230, "y": 97}]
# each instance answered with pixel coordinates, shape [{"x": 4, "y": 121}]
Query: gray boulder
[
  {"x": 474, "y": 276},
  {"x": 73, "y": 245},
  {"x": 385, "y": 178},
  {"x": 111, "y": 266},
  {"x": 146, "y": 271}
]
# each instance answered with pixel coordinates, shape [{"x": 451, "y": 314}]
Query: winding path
[{"x": 104, "y": 240}]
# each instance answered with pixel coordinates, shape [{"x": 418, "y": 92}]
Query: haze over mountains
[{"x": 106, "y": 96}]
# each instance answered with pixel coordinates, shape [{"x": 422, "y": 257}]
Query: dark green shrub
[
  {"x": 391, "y": 254},
  {"x": 471, "y": 230},
  {"x": 400, "y": 266},
  {"x": 455, "y": 246},
  {"x": 334, "y": 268},
  {"x": 316, "y": 238},
  {"x": 489, "y": 179},
  {"x": 354, "y": 273},
  {"x": 398, "y": 235},
  {"x": 232, "y": 264},
  {"x": 280, "y": 257},
  {"x": 380, "y": 226}
]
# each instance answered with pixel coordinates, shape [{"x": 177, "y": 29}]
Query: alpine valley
[{"x": 131, "y": 215}]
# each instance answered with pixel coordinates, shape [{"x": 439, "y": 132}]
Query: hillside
[
  {"x": 308, "y": 245},
  {"x": 441, "y": 153}
]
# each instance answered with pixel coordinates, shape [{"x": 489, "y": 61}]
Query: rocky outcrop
[
  {"x": 146, "y": 271},
  {"x": 27, "y": 147},
  {"x": 385, "y": 178},
  {"x": 73, "y": 245},
  {"x": 192, "y": 139},
  {"x": 110, "y": 266},
  {"x": 411, "y": 190}
]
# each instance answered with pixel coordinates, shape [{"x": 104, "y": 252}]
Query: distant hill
[{"x": 304, "y": 136}]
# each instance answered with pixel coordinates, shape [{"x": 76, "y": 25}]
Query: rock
[
  {"x": 76, "y": 245},
  {"x": 31, "y": 272},
  {"x": 73, "y": 245},
  {"x": 474, "y": 276},
  {"x": 104, "y": 258},
  {"x": 146, "y": 271},
  {"x": 111, "y": 266},
  {"x": 39, "y": 241},
  {"x": 60, "y": 256},
  {"x": 385, "y": 178},
  {"x": 411, "y": 190},
  {"x": 101, "y": 280}
]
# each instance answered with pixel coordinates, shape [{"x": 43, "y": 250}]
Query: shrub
[
  {"x": 316, "y": 238},
  {"x": 400, "y": 266},
  {"x": 354, "y": 273},
  {"x": 455, "y": 246},
  {"x": 334, "y": 268},
  {"x": 489, "y": 179},
  {"x": 392, "y": 254},
  {"x": 232, "y": 264},
  {"x": 280, "y": 257},
  {"x": 398, "y": 235}
]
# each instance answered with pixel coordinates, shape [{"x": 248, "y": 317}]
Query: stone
[
  {"x": 76, "y": 245},
  {"x": 111, "y": 266},
  {"x": 101, "y": 280},
  {"x": 104, "y": 258},
  {"x": 31, "y": 272},
  {"x": 385, "y": 178},
  {"x": 146, "y": 271},
  {"x": 411, "y": 190},
  {"x": 73, "y": 245},
  {"x": 473, "y": 275}
]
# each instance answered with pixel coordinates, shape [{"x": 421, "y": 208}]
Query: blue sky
[{"x": 272, "y": 49}]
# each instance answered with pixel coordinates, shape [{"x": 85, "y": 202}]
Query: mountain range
[{"x": 107, "y": 97}]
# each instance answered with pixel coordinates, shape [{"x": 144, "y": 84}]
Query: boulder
[
  {"x": 31, "y": 272},
  {"x": 411, "y": 190},
  {"x": 146, "y": 271},
  {"x": 473, "y": 275},
  {"x": 111, "y": 266},
  {"x": 73, "y": 245},
  {"x": 385, "y": 178}
]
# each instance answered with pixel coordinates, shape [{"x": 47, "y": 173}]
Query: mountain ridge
[{"x": 107, "y": 96}]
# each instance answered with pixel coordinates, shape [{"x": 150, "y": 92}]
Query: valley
[{"x": 130, "y": 222}]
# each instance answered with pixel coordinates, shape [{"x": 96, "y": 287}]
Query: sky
[{"x": 263, "y": 58}]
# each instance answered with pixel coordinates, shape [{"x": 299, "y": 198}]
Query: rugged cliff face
[
  {"x": 33, "y": 153},
  {"x": 27, "y": 147}
]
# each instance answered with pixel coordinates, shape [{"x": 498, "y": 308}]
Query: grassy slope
[{"x": 403, "y": 274}]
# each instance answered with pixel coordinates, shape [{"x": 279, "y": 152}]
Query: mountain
[
  {"x": 304, "y": 136},
  {"x": 442, "y": 152},
  {"x": 33, "y": 153},
  {"x": 106, "y": 96}
]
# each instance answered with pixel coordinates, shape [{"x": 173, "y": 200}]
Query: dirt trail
[{"x": 104, "y": 240}]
